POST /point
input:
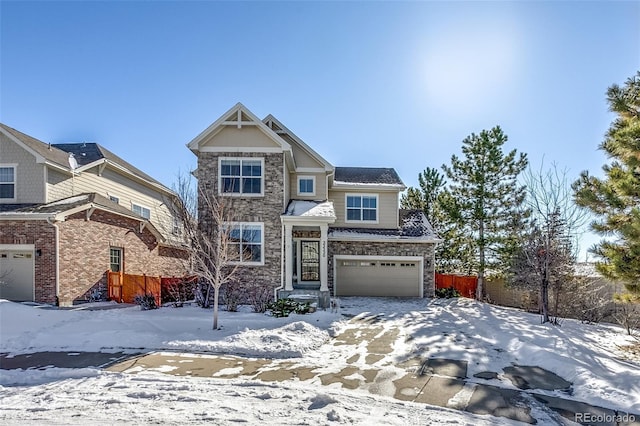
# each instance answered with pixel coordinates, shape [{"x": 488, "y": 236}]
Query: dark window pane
[
  {"x": 353, "y": 201},
  {"x": 230, "y": 168},
  {"x": 231, "y": 185},
  {"x": 353, "y": 214},
  {"x": 369, "y": 202},
  {"x": 6, "y": 191},
  {"x": 6, "y": 174},
  {"x": 368, "y": 214},
  {"x": 251, "y": 185}
]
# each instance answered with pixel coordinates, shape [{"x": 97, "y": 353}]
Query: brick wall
[
  {"x": 43, "y": 237},
  {"x": 84, "y": 252},
  {"x": 387, "y": 249},
  {"x": 266, "y": 209}
]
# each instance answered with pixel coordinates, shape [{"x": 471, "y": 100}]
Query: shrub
[
  {"x": 178, "y": 290},
  {"x": 232, "y": 295},
  {"x": 447, "y": 293},
  {"x": 283, "y": 307},
  {"x": 146, "y": 301},
  {"x": 260, "y": 296}
]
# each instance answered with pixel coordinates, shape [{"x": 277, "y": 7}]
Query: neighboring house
[
  {"x": 307, "y": 226},
  {"x": 62, "y": 229}
]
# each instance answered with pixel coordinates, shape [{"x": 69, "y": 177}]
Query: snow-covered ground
[{"x": 489, "y": 338}]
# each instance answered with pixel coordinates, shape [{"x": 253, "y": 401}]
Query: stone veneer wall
[
  {"x": 391, "y": 248},
  {"x": 266, "y": 209},
  {"x": 84, "y": 253},
  {"x": 43, "y": 237}
]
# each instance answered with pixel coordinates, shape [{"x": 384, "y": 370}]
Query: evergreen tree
[
  {"x": 615, "y": 199},
  {"x": 488, "y": 199},
  {"x": 453, "y": 255}
]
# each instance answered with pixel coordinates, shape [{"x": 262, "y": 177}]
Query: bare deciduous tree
[{"x": 206, "y": 220}]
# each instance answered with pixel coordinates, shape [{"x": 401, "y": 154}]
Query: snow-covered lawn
[{"x": 489, "y": 338}]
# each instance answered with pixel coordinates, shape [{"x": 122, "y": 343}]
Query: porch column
[
  {"x": 324, "y": 280},
  {"x": 288, "y": 257}
]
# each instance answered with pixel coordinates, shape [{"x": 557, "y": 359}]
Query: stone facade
[
  {"x": 84, "y": 253},
  {"x": 43, "y": 236},
  {"x": 264, "y": 209},
  {"x": 391, "y": 248}
]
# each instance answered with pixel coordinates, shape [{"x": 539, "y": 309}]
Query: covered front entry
[
  {"x": 389, "y": 276},
  {"x": 17, "y": 272}
]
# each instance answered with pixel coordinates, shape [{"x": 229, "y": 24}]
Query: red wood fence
[
  {"x": 466, "y": 285},
  {"x": 125, "y": 287}
]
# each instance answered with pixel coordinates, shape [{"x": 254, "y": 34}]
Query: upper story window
[
  {"x": 176, "y": 229},
  {"x": 241, "y": 176},
  {"x": 141, "y": 210},
  {"x": 8, "y": 182},
  {"x": 114, "y": 199},
  {"x": 245, "y": 242},
  {"x": 362, "y": 208},
  {"x": 306, "y": 185}
]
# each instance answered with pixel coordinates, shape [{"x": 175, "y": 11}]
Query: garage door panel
[
  {"x": 380, "y": 277},
  {"x": 16, "y": 275}
]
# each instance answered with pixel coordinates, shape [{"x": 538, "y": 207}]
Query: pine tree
[
  {"x": 453, "y": 255},
  {"x": 488, "y": 199},
  {"x": 615, "y": 199}
]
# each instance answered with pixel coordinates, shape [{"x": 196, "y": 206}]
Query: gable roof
[
  {"x": 42, "y": 151},
  {"x": 350, "y": 176},
  {"x": 238, "y": 116},
  {"x": 87, "y": 155},
  {"x": 60, "y": 209},
  {"x": 282, "y": 131}
]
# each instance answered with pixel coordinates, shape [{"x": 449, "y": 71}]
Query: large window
[
  {"x": 306, "y": 185},
  {"x": 142, "y": 211},
  {"x": 362, "y": 208},
  {"x": 7, "y": 182},
  {"x": 245, "y": 242},
  {"x": 242, "y": 176}
]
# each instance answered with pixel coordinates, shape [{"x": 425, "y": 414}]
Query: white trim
[
  {"x": 21, "y": 247},
  {"x": 262, "y": 242},
  {"x": 309, "y": 170},
  {"x": 141, "y": 207},
  {"x": 418, "y": 259},
  {"x": 338, "y": 185},
  {"x": 13, "y": 166},
  {"x": 386, "y": 240},
  {"x": 242, "y": 149},
  {"x": 306, "y": 177},
  {"x": 241, "y": 194},
  {"x": 346, "y": 208}
]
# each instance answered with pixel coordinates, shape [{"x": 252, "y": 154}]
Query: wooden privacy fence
[
  {"x": 466, "y": 285},
  {"x": 124, "y": 288}
]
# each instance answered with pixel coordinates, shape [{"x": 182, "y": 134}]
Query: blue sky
[{"x": 389, "y": 84}]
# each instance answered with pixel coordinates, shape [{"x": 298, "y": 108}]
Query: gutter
[{"x": 55, "y": 225}]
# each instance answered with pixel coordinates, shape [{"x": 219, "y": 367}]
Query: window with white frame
[
  {"x": 114, "y": 199},
  {"x": 241, "y": 176},
  {"x": 362, "y": 208},
  {"x": 306, "y": 185},
  {"x": 245, "y": 242},
  {"x": 177, "y": 226},
  {"x": 141, "y": 210},
  {"x": 7, "y": 182}
]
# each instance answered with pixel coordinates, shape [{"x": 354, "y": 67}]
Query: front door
[{"x": 310, "y": 260}]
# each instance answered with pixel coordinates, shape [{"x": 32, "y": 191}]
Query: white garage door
[
  {"x": 17, "y": 274},
  {"x": 387, "y": 277}
]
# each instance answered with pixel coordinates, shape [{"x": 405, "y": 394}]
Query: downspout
[{"x": 55, "y": 225}]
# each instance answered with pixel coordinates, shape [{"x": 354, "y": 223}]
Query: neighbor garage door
[
  {"x": 378, "y": 277},
  {"x": 16, "y": 273}
]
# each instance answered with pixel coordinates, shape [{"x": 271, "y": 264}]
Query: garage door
[
  {"x": 16, "y": 274},
  {"x": 378, "y": 277}
]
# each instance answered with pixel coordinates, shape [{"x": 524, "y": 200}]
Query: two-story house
[
  {"x": 305, "y": 226},
  {"x": 70, "y": 212}
]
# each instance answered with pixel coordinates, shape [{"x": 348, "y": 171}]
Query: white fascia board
[
  {"x": 194, "y": 145},
  {"x": 241, "y": 149},
  {"x": 307, "y": 220},
  {"x": 372, "y": 257},
  {"x": 328, "y": 166},
  {"x": 310, "y": 170},
  {"x": 39, "y": 158},
  {"x": 367, "y": 187},
  {"x": 385, "y": 240},
  {"x": 26, "y": 216},
  {"x": 17, "y": 246}
]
